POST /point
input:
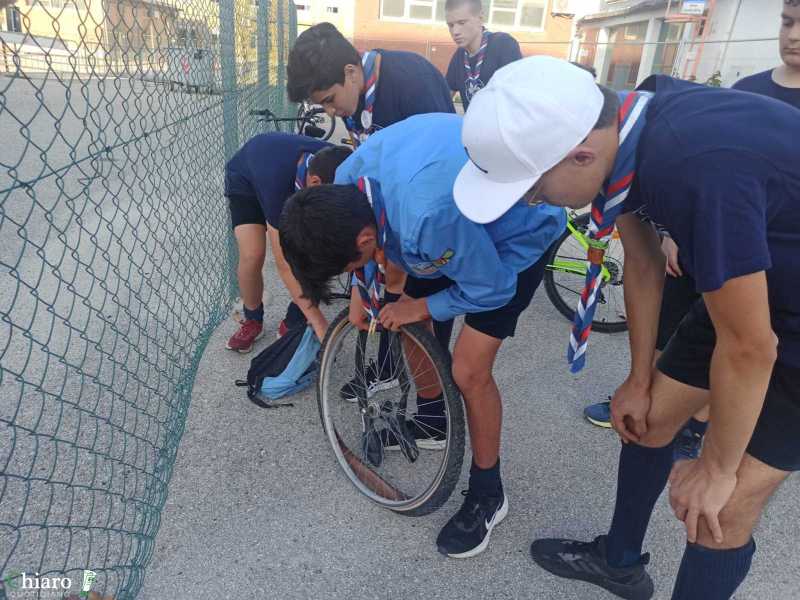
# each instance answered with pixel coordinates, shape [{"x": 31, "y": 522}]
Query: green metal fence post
[
  {"x": 263, "y": 53},
  {"x": 230, "y": 114}
]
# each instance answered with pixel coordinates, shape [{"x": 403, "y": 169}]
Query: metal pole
[
  {"x": 262, "y": 32},
  {"x": 230, "y": 114},
  {"x": 230, "y": 100},
  {"x": 284, "y": 15}
]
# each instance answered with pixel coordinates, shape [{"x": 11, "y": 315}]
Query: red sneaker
[
  {"x": 282, "y": 329},
  {"x": 242, "y": 341}
]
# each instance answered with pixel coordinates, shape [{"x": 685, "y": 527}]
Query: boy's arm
[
  {"x": 463, "y": 251},
  {"x": 644, "y": 281},
  {"x": 741, "y": 366},
  {"x": 312, "y": 313}
]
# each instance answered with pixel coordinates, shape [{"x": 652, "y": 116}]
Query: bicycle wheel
[
  {"x": 412, "y": 479},
  {"x": 564, "y": 286},
  {"x": 316, "y": 117}
]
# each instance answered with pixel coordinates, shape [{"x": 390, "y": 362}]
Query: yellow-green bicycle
[{"x": 566, "y": 272}]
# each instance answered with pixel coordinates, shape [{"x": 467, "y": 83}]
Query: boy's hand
[
  {"x": 357, "y": 315},
  {"x": 670, "y": 250},
  {"x": 406, "y": 310}
]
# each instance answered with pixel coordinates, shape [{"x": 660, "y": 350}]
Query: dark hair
[
  {"x": 318, "y": 229},
  {"x": 475, "y": 5},
  {"x": 327, "y": 160},
  {"x": 791, "y": 2},
  {"x": 317, "y": 61},
  {"x": 610, "y": 110},
  {"x": 586, "y": 68}
]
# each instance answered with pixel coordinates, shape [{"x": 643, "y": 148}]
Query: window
[
  {"x": 332, "y": 9},
  {"x": 524, "y": 14},
  {"x": 625, "y": 50},
  {"x": 667, "y": 50},
  {"x": 13, "y": 19},
  {"x": 302, "y": 4}
]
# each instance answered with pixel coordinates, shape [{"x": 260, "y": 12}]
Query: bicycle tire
[
  {"x": 442, "y": 487},
  {"x": 567, "y": 309}
]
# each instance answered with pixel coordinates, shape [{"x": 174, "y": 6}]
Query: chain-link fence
[{"x": 116, "y": 118}]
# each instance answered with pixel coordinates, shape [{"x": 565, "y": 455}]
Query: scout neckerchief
[
  {"x": 370, "y": 278},
  {"x": 371, "y": 67},
  {"x": 302, "y": 170},
  {"x": 605, "y": 209},
  {"x": 472, "y": 77}
]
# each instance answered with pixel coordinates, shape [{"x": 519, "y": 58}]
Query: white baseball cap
[{"x": 532, "y": 113}]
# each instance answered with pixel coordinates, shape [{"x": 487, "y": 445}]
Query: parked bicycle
[{"x": 304, "y": 124}]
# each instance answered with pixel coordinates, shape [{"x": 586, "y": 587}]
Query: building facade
[
  {"x": 419, "y": 26},
  {"x": 702, "y": 40}
]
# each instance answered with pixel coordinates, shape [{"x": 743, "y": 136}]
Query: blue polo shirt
[
  {"x": 762, "y": 83},
  {"x": 407, "y": 85},
  {"x": 264, "y": 169},
  {"x": 416, "y": 163},
  {"x": 501, "y": 49},
  {"x": 719, "y": 170}
]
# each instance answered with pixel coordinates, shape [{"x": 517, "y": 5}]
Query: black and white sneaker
[
  {"x": 426, "y": 438},
  {"x": 467, "y": 533},
  {"x": 374, "y": 383},
  {"x": 587, "y": 561}
]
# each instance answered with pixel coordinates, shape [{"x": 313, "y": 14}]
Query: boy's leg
[
  {"x": 249, "y": 229},
  {"x": 252, "y": 242},
  {"x": 485, "y": 506},
  {"x": 678, "y": 391},
  {"x": 713, "y": 571}
]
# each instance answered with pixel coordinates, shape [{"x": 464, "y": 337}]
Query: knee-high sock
[
  {"x": 442, "y": 330},
  {"x": 708, "y": 574},
  {"x": 642, "y": 475}
]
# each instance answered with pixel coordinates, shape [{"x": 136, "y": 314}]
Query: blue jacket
[{"x": 416, "y": 162}]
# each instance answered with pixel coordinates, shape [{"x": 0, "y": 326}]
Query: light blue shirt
[{"x": 416, "y": 162}]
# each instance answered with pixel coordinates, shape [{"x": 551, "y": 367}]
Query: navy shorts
[
  {"x": 687, "y": 358},
  {"x": 499, "y": 323},
  {"x": 678, "y": 297},
  {"x": 245, "y": 210}
]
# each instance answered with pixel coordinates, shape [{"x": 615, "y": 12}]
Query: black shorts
[
  {"x": 246, "y": 210},
  {"x": 499, "y": 323},
  {"x": 687, "y": 358},
  {"x": 678, "y": 297}
]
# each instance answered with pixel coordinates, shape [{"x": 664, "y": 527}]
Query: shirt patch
[{"x": 428, "y": 268}]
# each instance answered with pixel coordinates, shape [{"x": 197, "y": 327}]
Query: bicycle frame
[{"x": 577, "y": 267}]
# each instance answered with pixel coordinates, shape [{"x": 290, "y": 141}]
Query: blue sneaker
[
  {"x": 686, "y": 445},
  {"x": 599, "y": 414}
]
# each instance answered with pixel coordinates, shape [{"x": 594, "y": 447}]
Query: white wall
[{"x": 725, "y": 52}]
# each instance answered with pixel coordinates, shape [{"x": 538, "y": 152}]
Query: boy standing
[
  {"x": 783, "y": 82},
  {"x": 480, "y": 52}
]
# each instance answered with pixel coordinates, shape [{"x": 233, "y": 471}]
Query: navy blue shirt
[
  {"x": 407, "y": 85},
  {"x": 264, "y": 169},
  {"x": 719, "y": 170},
  {"x": 500, "y": 50},
  {"x": 762, "y": 83}
]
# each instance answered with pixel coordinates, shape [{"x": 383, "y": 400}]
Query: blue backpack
[{"x": 287, "y": 366}]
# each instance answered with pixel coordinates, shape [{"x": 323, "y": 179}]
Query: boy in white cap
[{"x": 718, "y": 169}]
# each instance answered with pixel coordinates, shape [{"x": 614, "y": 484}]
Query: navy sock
[
  {"x": 695, "y": 426},
  {"x": 430, "y": 415},
  {"x": 642, "y": 475},
  {"x": 254, "y": 315},
  {"x": 485, "y": 482},
  {"x": 385, "y": 363},
  {"x": 712, "y": 574}
]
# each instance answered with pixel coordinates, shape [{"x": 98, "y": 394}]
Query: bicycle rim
[{"x": 411, "y": 487}]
